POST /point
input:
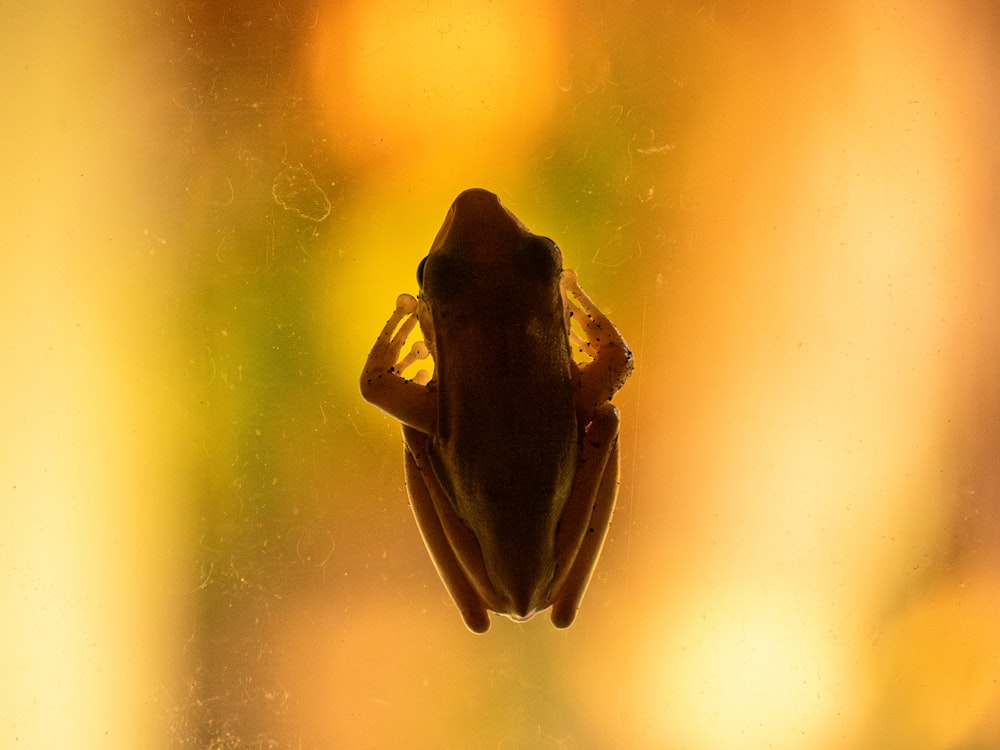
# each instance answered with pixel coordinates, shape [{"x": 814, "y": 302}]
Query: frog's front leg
[
  {"x": 598, "y": 380},
  {"x": 412, "y": 402}
]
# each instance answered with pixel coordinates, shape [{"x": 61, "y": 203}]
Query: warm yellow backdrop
[{"x": 790, "y": 212}]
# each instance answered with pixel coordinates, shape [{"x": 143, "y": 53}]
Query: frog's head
[
  {"x": 478, "y": 217},
  {"x": 483, "y": 250}
]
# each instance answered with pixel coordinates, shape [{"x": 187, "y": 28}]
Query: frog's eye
[
  {"x": 443, "y": 275},
  {"x": 420, "y": 272},
  {"x": 541, "y": 260}
]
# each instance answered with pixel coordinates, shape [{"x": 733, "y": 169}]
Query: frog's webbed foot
[
  {"x": 610, "y": 359},
  {"x": 418, "y": 352},
  {"x": 382, "y": 381}
]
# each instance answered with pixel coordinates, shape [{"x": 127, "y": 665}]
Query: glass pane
[{"x": 790, "y": 214}]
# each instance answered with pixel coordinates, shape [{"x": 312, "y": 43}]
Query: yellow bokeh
[
  {"x": 789, "y": 212},
  {"x": 435, "y": 84}
]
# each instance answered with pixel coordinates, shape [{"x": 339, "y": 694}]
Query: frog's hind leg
[
  {"x": 587, "y": 515},
  {"x": 419, "y": 482}
]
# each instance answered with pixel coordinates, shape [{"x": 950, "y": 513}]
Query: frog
[{"x": 511, "y": 446}]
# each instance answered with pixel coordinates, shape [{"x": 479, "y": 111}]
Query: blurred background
[{"x": 790, "y": 212}]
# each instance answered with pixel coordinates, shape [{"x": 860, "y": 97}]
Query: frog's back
[
  {"x": 507, "y": 422},
  {"x": 507, "y": 442}
]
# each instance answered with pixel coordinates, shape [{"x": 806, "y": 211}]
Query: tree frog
[{"x": 511, "y": 448}]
